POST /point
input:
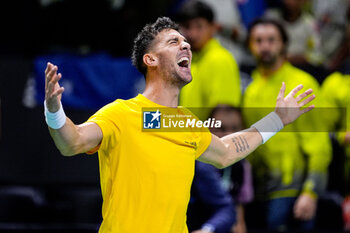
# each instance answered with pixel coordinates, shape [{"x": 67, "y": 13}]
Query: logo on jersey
[
  {"x": 152, "y": 119},
  {"x": 174, "y": 120}
]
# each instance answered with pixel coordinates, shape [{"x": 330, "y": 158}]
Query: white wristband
[
  {"x": 55, "y": 120},
  {"x": 268, "y": 126}
]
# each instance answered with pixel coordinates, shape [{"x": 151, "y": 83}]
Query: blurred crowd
[
  {"x": 291, "y": 41},
  {"x": 242, "y": 51}
]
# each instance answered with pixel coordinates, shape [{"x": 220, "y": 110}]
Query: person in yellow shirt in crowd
[
  {"x": 215, "y": 71},
  {"x": 146, "y": 176},
  {"x": 335, "y": 90},
  {"x": 290, "y": 171}
]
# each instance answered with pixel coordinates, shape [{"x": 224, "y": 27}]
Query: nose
[
  {"x": 265, "y": 45},
  {"x": 185, "y": 46}
]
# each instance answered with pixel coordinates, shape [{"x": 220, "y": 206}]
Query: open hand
[
  {"x": 289, "y": 108},
  {"x": 53, "y": 91}
]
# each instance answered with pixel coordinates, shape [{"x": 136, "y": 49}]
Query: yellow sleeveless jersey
[{"x": 145, "y": 176}]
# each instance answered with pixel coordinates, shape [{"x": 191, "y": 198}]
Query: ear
[{"x": 150, "y": 60}]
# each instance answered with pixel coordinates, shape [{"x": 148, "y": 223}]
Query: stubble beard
[
  {"x": 178, "y": 80},
  {"x": 175, "y": 78},
  {"x": 267, "y": 62}
]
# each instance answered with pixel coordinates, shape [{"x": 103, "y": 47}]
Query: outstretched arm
[
  {"x": 69, "y": 138},
  {"x": 223, "y": 152}
]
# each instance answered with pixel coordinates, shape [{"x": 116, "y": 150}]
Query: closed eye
[{"x": 173, "y": 41}]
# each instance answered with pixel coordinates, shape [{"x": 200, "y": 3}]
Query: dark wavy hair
[{"x": 144, "y": 40}]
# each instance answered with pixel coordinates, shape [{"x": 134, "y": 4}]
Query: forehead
[
  {"x": 264, "y": 30},
  {"x": 167, "y": 34}
]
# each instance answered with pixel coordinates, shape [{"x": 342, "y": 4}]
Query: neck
[
  {"x": 268, "y": 70},
  {"x": 161, "y": 92}
]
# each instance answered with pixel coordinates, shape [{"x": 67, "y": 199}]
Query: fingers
[
  {"x": 282, "y": 91},
  {"x": 306, "y": 101},
  {"x": 50, "y": 72},
  {"x": 309, "y": 108},
  {"x": 301, "y": 211},
  {"x": 296, "y": 90},
  {"x": 303, "y": 95},
  {"x": 299, "y": 214},
  {"x": 52, "y": 83},
  {"x": 47, "y": 70},
  {"x": 52, "y": 87},
  {"x": 58, "y": 92},
  {"x": 303, "y": 214},
  {"x": 48, "y": 66}
]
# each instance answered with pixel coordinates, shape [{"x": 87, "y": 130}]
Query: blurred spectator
[
  {"x": 231, "y": 30},
  {"x": 303, "y": 44},
  {"x": 335, "y": 90},
  {"x": 290, "y": 170},
  {"x": 341, "y": 58},
  {"x": 214, "y": 70},
  {"x": 236, "y": 178},
  {"x": 331, "y": 24},
  {"x": 211, "y": 208}
]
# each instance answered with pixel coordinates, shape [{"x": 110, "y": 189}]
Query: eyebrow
[{"x": 176, "y": 38}]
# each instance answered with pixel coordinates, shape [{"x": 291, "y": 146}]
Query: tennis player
[{"x": 146, "y": 176}]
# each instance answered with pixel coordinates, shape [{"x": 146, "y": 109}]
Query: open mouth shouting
[
  {"x": 184, "y": 62},
  {"x": 184, "y": 65}
]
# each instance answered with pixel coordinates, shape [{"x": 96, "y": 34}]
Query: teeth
[{"x": 183, "y": 59}]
